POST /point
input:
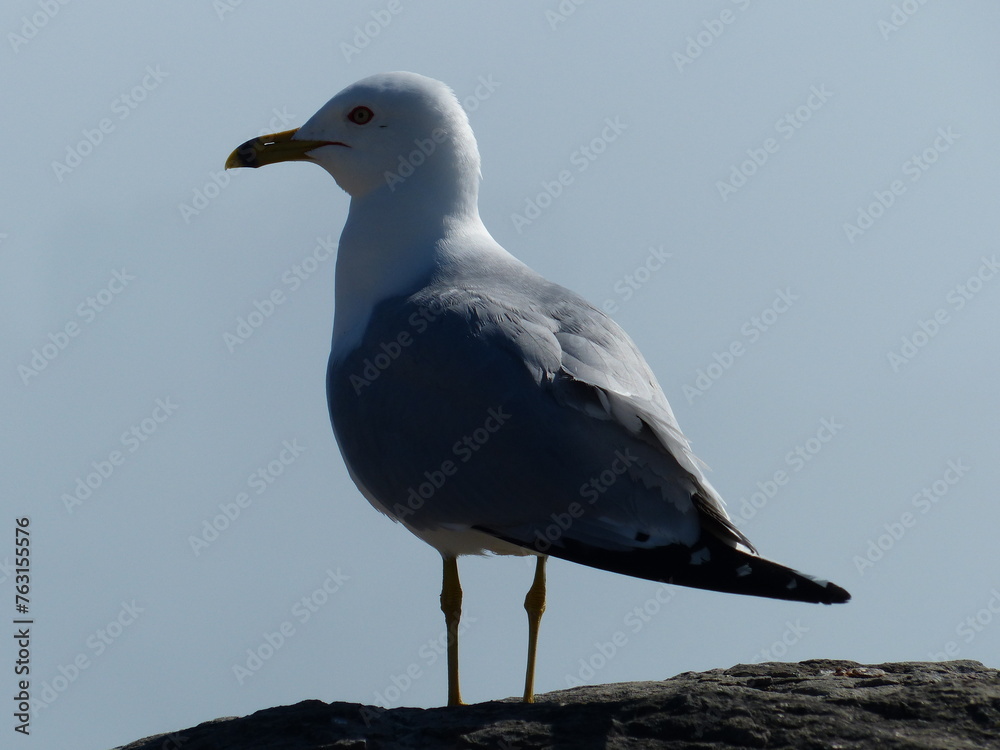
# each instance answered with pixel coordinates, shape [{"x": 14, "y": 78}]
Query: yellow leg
[
  {"x": 534, "y": 605},
  {"x": 451, "y": 605}
]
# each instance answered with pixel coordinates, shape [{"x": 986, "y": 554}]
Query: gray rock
[{"x": 810, "y": 705}]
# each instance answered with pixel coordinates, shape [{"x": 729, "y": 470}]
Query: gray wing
[
  {"x": 600, "y": 363},
  {"x": 589, "y": 435}
]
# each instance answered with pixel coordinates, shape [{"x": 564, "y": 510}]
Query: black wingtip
[
  {"x": 837, "y": 595},
  {"x": 710, "y": 564}
]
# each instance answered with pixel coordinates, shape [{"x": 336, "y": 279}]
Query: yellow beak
[{"x": 270, "y": 149}]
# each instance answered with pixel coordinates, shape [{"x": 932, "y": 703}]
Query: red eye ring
[{"x": 361, "y": 115}]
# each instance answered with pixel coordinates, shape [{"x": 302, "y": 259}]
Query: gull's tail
[{"x": 709, "y": 564}]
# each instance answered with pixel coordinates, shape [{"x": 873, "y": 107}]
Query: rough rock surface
[{"x": 812, "y": 704}]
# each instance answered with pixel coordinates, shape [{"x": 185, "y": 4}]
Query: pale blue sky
[{"x": 848, "y": 377}]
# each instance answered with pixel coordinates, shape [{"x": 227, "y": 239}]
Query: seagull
[{"x": 485, "y": 408}]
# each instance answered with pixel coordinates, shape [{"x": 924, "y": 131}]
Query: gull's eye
[{"x": 360, "y": 115}]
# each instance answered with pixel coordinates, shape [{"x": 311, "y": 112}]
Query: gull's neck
[{"x": 394, "y": 241}]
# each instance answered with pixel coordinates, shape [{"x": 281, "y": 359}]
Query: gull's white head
[
  {"x": 401, "y": 133},
  {"x": 401, "y": 145}
]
